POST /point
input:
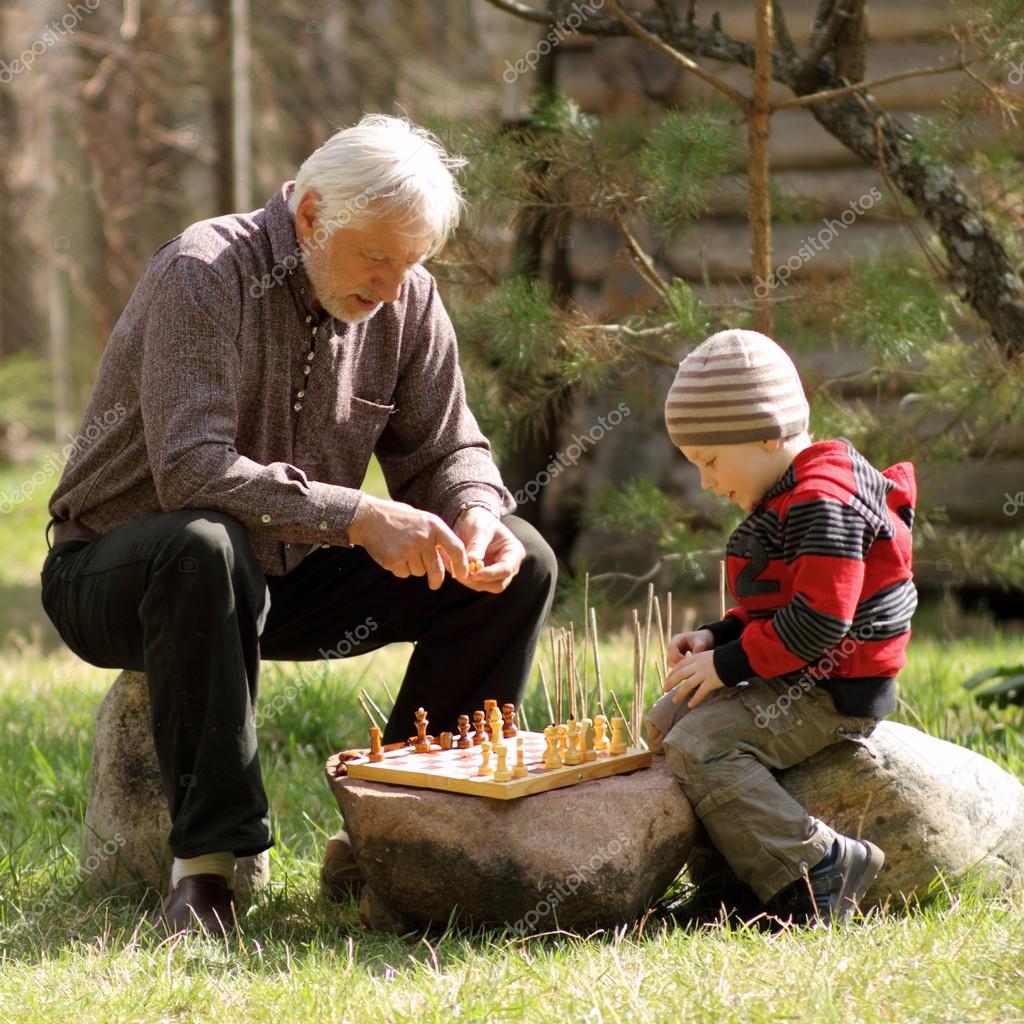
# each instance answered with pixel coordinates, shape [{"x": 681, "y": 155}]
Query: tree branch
[{"x": 649, "y": 37}]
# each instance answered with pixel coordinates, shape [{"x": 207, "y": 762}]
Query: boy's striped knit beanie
[{"x": 737, "y": 386}]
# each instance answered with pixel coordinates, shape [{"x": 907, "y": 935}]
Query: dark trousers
[{"x": 180, "y": 596}]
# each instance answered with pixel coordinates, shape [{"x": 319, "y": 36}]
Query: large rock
[
  {"x": 939, "y": 811},
  {"x": 593, "y": 855},
  {"x": 124, "y": 841}
]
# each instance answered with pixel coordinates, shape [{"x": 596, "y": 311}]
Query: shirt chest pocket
[{"x": 354, "y": 425}]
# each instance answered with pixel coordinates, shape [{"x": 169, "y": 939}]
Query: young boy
[{"x": 820, "y": 568}]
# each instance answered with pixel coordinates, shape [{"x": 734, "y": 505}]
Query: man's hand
[
  {"x": 694, "y": 673},
  {"x": 696, "y": 640},
  {"x": 407, "y": 541},
  {"x": 491, "y": 544}
]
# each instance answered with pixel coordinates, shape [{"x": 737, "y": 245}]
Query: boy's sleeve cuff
[
  {"x": 725, "y": 629},
  {"x": 732, "y": 664}
]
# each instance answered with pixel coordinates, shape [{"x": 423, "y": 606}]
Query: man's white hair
[{"x": 384, "y": 165}]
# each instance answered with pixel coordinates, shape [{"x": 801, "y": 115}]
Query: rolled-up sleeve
[
  {"x": 433, "y": 453},
  {"x": 189, "y": 399}
]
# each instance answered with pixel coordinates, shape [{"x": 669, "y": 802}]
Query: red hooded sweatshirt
[{"x": 821, "y": 571}]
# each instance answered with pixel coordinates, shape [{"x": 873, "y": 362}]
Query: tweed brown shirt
[{"x": 221, "y": 387}]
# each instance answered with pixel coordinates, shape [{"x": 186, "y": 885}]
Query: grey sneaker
[{"x": 835, "y": 885}]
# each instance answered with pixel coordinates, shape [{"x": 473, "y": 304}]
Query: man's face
[
  {"x": 743, "y": 473},
  {"x": 360, "y": 267}
]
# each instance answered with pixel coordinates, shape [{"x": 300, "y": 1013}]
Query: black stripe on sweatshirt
[
  {"x": 823, "y": 526},
  {"x": 806, "y": 631}
]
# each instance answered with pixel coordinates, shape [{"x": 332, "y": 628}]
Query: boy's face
[{"x": 743, "y": 473}]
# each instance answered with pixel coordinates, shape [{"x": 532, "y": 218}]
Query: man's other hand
[
  {"x": 408, "y": 541},
  {"x": 491, "y": 544}
]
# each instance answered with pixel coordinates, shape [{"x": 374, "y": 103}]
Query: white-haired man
[{"x": 218, "y": 520}]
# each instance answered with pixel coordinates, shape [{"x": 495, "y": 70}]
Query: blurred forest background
[{"x": 612, "y": 194}]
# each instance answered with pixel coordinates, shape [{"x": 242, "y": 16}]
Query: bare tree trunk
[
  {"x": 241, "y": 104},
  {"x": 760, "y": 211}
]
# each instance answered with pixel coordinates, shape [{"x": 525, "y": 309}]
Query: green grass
[{"x": 299, "y": 958}]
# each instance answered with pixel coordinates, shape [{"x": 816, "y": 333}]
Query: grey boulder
[{"x": 590, "y": 856}]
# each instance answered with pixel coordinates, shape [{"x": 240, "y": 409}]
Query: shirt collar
[{"x": 284, "y": 247}]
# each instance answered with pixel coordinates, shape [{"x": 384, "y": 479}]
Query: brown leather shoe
[{"x": 199, "y": 903}]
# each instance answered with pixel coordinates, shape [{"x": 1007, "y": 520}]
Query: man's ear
[
  {"x": 772, "y": 444},
  {"x": 306, "y": 215}
]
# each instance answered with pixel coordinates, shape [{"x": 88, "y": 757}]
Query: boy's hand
[
  {"x": 696, "y": 640},
  {"x": 694, "y": 673}
]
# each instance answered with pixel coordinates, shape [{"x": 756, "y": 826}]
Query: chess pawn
[
  {"x": 600, "y": 733},
  {"x": 480, "y": 732},
  {"x": 375, "y": 745},
  {"x": 551, "y": 756},
  {"x": 464, "y": 742},
  {"x": 445, "y": 739},
  {"x": 563, "y": 742},
  {"x": 494, "y": 725},
  {"x": 520, "y": 771},
  {"x": 488, "y": 704},
  {"x": 618, "y": 743},
  {"x": 502, "y": 772},
  {"x": 587, "y": 736},
  {"x": 572, "y": 753},
  {"x": 485, "y": 759},
  {"x": 509, "y": 727}
]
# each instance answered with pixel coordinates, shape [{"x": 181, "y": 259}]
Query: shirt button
[
  {"x": 264, "y": 518},
  {"x": 297, "y": 407},
  {"x": 300, "y": 394},
  {"x": 314, "y": 332},
  {"x": 321, "y": 526},
  {"x": 307, "y": 369},
  {"x": 309, "y": 356},
  {"x": 309, "y": 319}
]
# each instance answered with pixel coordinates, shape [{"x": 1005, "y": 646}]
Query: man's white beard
[{"x": 328, "y": 295}]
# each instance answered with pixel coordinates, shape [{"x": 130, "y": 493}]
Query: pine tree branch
[
  {"x": 651, "y": 38},
  {"x": 982, "y": 274}
]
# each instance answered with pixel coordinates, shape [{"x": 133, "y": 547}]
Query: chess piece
[
  {"x": 563, "y": 742},
  {"x": 480, "y": 731},
  {"x": 572, "y": 754},
  {"x": 375, "y": 751},
  {"x": 551, "y": 756},
  {"x": 587, "y": 736},
  {"x": 485, "y": 759},
  {"x": 520, "y": 771},
  {"x": 502, "y": 773},
  {"x": 488, "y": 704},
  {"x": 494, "y": 725},
  {"x": 618, "y": 743},
  {"x": 509, "y": 728},
  {"x": 445, "y": 739},
  {"x": 464, "y": 742},
  {"x": 422, "y": 743},
  {"x": 601, "y": 731}
]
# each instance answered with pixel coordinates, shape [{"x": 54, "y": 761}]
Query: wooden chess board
[{"x": 455, "y": 771}]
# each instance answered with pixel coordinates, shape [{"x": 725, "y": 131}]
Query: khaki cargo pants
[{"x": 723, "y": 752}]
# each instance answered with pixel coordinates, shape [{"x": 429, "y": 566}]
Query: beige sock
[{"x": 207, "y": 864}]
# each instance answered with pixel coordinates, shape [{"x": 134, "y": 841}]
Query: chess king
[{"x": 219, "y": 520}]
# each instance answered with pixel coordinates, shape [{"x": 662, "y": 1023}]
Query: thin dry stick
[
  {"x": 570, "y": 669},
  {"x": 554, "y": 671},
  {"x": 721, "y": 587},
  {"x": 637, "y": 670},
  {"x": 647, "y": 640},
  {"x": 522, "y": 718},
  {"x": 366, "y": 710},
  {"x": 388, "y": 692},
  {"x": 668, "y": 617},
  {"x": 661, "y": 664},
  {"x": 622, "y": 715},
  {"x": 372, "y": 703},
  {"x": 547, "y": 695},
  {"x": 586, "y": 637},
  {"x": 597, "y": 663}
]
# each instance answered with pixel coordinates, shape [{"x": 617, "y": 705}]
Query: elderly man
[{"x": 216, "y": 518}]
